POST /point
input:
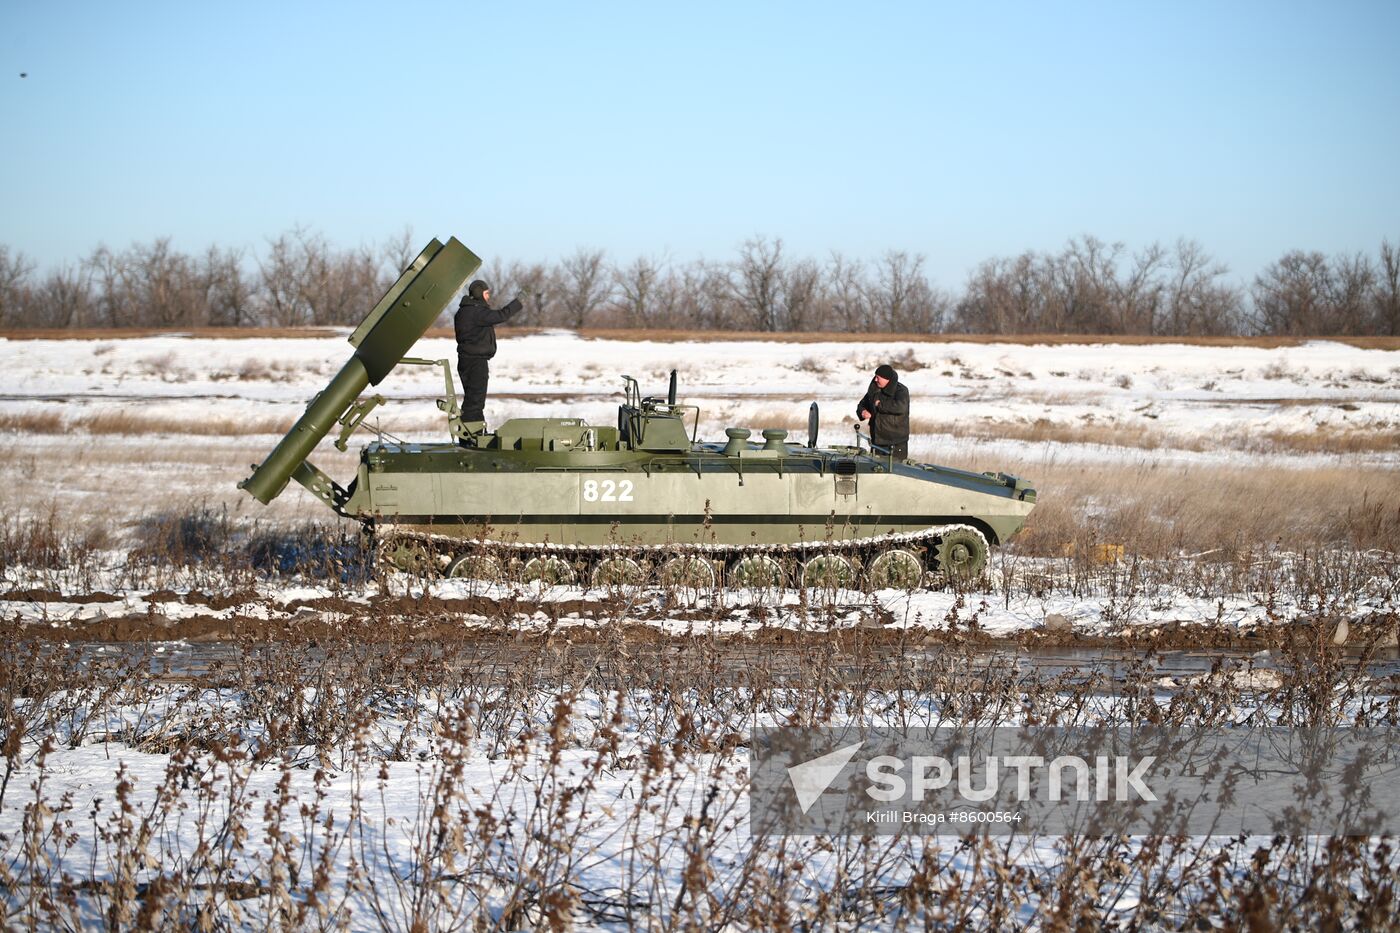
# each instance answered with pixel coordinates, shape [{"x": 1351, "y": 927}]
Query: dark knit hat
[
  {"x": 477, "y": 289},
  {"x": 886, "y": 371}
]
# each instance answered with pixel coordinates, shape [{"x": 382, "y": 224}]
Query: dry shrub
[
  {"x": 49, "y": 542},
  {"x": 34, "y": 422},
  {"x": 617, "y": 796},
  {"x": 183, "y": 538},
  {"x": 132, "y": 424},
  {"x": 792, "y": 418},
  {"x": 906, "y": 362}
]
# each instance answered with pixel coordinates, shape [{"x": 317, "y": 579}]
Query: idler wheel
[
  {"x": 896, "y": 570},
  {"x": 551, "y": 570},
  {"x": 757, "y": 571},
  {"x": 474, "y": 567},
  {"x": 961, "y": 554},
  {"x": 617, "y": 571},
  {"x": 828, "y": 570},
  {"x": 406, "y": 555},
  {"x": 690, "y": 571}
]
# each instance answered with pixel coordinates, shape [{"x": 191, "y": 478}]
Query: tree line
[{"x": 1087, "y": 287}]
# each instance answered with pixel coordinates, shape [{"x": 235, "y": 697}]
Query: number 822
[{"x": 607, "y": 490}]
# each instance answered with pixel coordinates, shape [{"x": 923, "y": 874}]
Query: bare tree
[
  {"x": 1005, "y": 296},
  {"x": 1353, "y": 287},
  {"x": 801, "y": 296},
  {"x": 1292, "y": 295},
  {"x": 531, "y": 283},
  {"x": 105, "y": 269},
  {"x": 305, "y": 281},
  {"x": 398, "y": 251},
  {"x": 147, "y": 285},
  {"x": 228, "y": 292},
  {"x": 1139, "y": 296},
  {"x": 903, "y": 297},
  {"x": 64, "y": 299},
  {"x": 164, "y": 286},
  {"x": 637, "y": 286},
  {"x": 847, "y": 294},
  {"x": 1085, "y": 287},
  {"x": 758, "y": 281},
  {"x": 340, "y": 287},
  {"x": 583, "y": 285},
  {"x": 281, "y": 274},
  {"x": 15, "y": 270},
  {"x": 1385, "y": 299},
  {"x": 1197, "y": 302},
  {"x": 704, "y": 298},
  {"x": 1089, "y": 286}
]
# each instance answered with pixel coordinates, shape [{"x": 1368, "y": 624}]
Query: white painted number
[{"x": 607, "y": 491}]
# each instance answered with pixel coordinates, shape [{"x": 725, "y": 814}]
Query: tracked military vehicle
[{"x": 560, "y": 500}]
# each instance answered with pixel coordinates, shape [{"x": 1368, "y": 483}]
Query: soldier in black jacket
[
  {"x": 475, "y": 324},
  {"x": 886, "y": 407}
]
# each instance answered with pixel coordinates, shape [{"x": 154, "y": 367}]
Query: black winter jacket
[
  {"x": 889, "y": 421},
  {"x": 475, "y": 324}
]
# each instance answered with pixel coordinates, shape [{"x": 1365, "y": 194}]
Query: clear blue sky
[{"x": 957, "y": 130}]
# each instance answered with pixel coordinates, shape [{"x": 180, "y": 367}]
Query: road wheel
[
  {"x": 896, "y": 570},
  {"x": 617, "y": 571},
  {"x": 474, "y": 567},
  {"x": 551, "y": 570},
  {"x": 408, "y": 556},
  {"x": 961, "y": 554},
  {"x": 757, "y": 571},
  {"x": 690, "y": 572},
  {"x": 828, "y": 570}
]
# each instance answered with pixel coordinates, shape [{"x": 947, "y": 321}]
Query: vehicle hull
[{"x": 597, "y": 498}]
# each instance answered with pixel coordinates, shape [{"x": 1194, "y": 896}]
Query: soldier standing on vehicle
[
  {"x": 475, "y": 324},
  {"x": 886, "y": 407}
]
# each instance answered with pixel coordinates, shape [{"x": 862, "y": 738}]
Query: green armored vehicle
[{"x": 560, "y": 500}]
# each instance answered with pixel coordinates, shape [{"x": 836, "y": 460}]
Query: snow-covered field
[
  {"x": 1191, "y": 397},
  {"x": 292, "y": 791}
]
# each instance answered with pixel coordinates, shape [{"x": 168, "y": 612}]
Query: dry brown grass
[
  {"x": 1163, "y": 509},
  {"x": 34, "y": 422},
  {"x": 130, "y": 424}
]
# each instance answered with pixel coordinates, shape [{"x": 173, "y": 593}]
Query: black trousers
[
  {"x": 900, "y": 449},
  {"x": 475, "y": 373}
]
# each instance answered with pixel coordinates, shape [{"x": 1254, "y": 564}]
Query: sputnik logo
[{"x": 811, "y": 778}]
